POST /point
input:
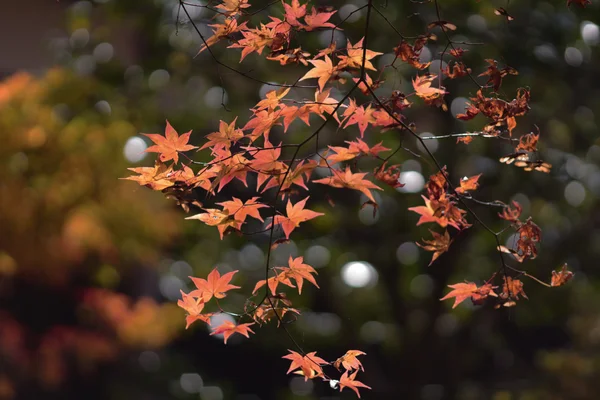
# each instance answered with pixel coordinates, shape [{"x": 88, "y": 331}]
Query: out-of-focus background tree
[{"x": 91, "y": 266}]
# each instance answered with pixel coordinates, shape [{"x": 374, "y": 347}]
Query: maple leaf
[
  {"x": 158, "y": 177},
  {"x": 411, "y": 54},
  {"x": 349, "y": 360},
  {"x": 228, "y": 328},
  {"x": 355, "y": 59},
  {"x": 300, "y": 271},
  {"x": 266, "y": 163},
  {"x": 295, "y": 214},
  {"x": 350, "y": 180},
  {"x": 323, "y": 104},
  {"x": 495, "y": 74},
  {"x": 359, "y": 115},
  {"x": 309, "y": 365},
  {"x": 460, "y": 292},
  {"x": 239, "y": 210},
  {"x": 225, "y": 137},
  {"x": 169, "y": 145},
  {"x": 528, "y": 143},
  {"x": 561, "y": 277},
  {"x": 482, "y": 293},
  {"x": 215, "y": 217},
  {"x": 261, "y": 123},
  {"x": 341, "y": 154},
  {"x": 215, "y": 286},
  {"x": 423, "y": 89},
  {"x": 468, "y": 184},
  {"x": 272, "y": 99},
  {"x": 255, "y": 40},
  {"x": 323, "y": 70},
  {"x": 529, "y": 234},
  {"x": 222, "y": 31},
  {"x": 351, "y": 383},
  {"x": 233, "y": 7},
  {"x": 511, "y": 214},
  {"x": 439, "y": 245},
  {"x": 193, "y": 306},
  {"x": 471, "y": 112},
  {"x": 361, "y": 147},
  {"x": 274, "y": 281},
  {"x": 458, "y": 70},
  {"x": 443, "y": 213},
  {"x": 512, "y": 288},
  {"x": 389, "y": 175},
  {"x": 318, "y": 20},
  {"x": 293, "y": 12}
]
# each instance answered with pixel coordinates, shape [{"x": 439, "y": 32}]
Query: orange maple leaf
[
  {"x": 439, "y": 245},
  {"x": 349, "y": 360},
  {"x": 442, "y": 212},
  {"x": 222, "y": 31},
  {"x": 460, "y": 292},
  {"x": 323, "y": 70},
  {"x": 158, "y": 177},
  {"x": 468, "y": 184},
  {"x": 309, "y": 365},
  {"x": 233, "y": 7},
  {"x": 225, "y": 137},
  {"x": 318, "y": 20},
  {"x": 239, "y": 210},
  {"x": 215, "y": 286},
  {"x": 228, "y": 328},
  {"x": 295, "y": 214},
  {"x": 561, "y": 277},
  {"x": 274, "y": 281},
  {"x": 347, "y": 179},
  {"x": 169, "y": 145},
  {"x": 300, "y": 271},
  {"x": 193, "y": 306},
  {"x": 293, "y": 12},
  {"x": 355, "y": 59},
  {"x": 350, "y": 382},
  {"x": 423, "y": 89},
  {"x": 359, "y": 115},
  {"x": 215, "y": 217}
]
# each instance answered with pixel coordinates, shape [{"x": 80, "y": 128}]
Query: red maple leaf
[
  {"x": 228, "y": 328},
  {"x": 169, "y": 145},
  {"x": 215, "y": 286}
]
